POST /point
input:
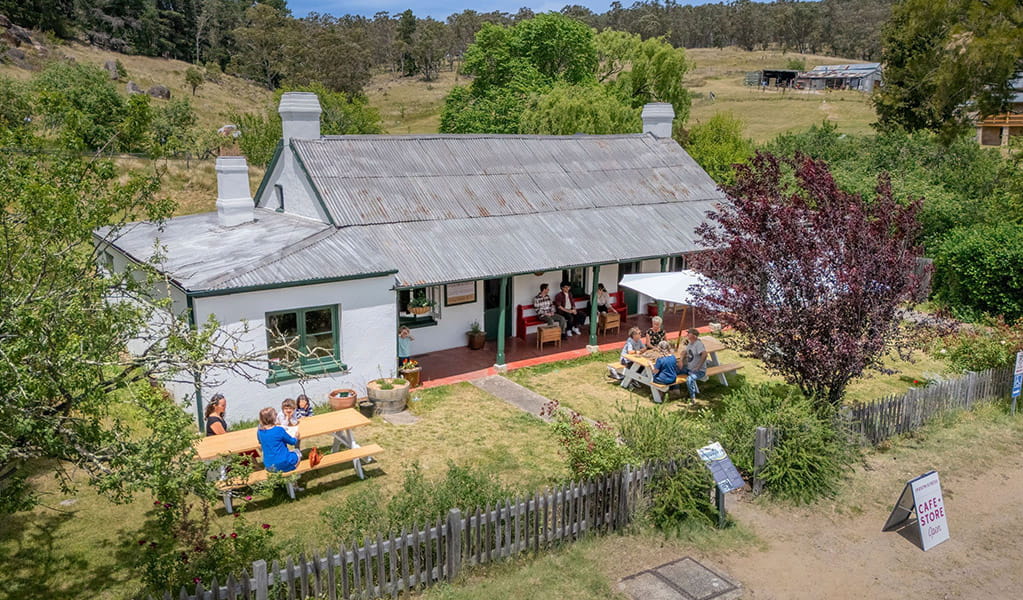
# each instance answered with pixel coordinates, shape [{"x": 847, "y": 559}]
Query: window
[
  {"x": 406, "y": 317},
  {"x": 279, "y": 189},
  {"x": 677, "y": 263},
  {"x": 303, "y": 342},
  {"x": 577, "y": 277}
]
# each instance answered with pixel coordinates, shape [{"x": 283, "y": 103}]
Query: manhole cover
[{"x": 683, "y": 579}]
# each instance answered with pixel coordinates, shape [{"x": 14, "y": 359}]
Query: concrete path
[
  {"x": 683, "y": 579},
  {"x": 512, "y": 393}
]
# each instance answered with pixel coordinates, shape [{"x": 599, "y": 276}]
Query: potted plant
[
  {"x": 420, "y": 305},
  {"x": 477, "y": 337},
  {"x": 411, "y": 371},
  {"x": 389, "y": 394},
  {"x": 341, "y": 398}
]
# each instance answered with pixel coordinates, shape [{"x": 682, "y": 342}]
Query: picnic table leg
[
  {"x": 629, "y": 375},
  {"x": 715, "y": 362},
  {"x": 346, "y": 438},
  {"x": 227, "y": 502}
]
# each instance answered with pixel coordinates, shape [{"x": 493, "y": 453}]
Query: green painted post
[
  {"x": 660, "y": 303},
  {"x": 593, "y": 305},
  {"x": 501, "y": 326}
]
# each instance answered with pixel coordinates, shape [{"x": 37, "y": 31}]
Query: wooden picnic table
[
  {"x": 339, "y": 422},
  {"x": 640, "y": 370}
]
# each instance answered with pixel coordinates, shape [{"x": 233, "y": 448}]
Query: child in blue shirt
[
  {"x": 404, "y": 344},
  {"x": 274, "y": 441}
]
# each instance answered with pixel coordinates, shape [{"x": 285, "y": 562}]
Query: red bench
[
  {"x": 525, "y": 316},
  {"x": 618, "y": 303}
]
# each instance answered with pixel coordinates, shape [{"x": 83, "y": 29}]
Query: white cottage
[{"x": 345, "y": 230}]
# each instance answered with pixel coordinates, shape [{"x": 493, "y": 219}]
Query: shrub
[
  {"x": 682, "y": 497},
  {"x": 590, "y": 449},
  {"x": 654, "y": 433},
  {"x": 979, "y": 269},
  {"x": 990, "y": 347},
  {"x": 718, "y": 144},
  {"x": 419, "y": 502},
  {"x": 809, "y": 454}
]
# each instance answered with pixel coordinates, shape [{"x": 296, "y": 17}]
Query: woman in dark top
[
  {"x": 655, "y": 335},
  {"x": 215, "y": 423}
]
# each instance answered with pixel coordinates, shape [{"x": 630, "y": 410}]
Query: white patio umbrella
[{"x": 668, "y": 287}]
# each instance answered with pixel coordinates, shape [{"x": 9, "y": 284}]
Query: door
[
  {"x": 631, "y": 296},
  {"x": 492, "y": 308}
]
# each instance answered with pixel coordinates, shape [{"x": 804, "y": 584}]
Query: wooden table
[
  {"x": 641, "y": 368},
  {"x": 339, "y": 422},
  {"x": 548, "y": 333}
]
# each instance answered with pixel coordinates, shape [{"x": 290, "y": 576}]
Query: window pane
[
  {"x": 320, "y": 346},
  {"x": 318, "y": 321},
  {"x": 282, "y": 336}
]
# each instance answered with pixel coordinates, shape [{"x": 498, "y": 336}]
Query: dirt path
[{"x": 813, "y": 555}]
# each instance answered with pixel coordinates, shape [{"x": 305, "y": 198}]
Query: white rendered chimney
[
  {"x": 657, "y": 117},
  {"x": 300, "y": 116},
  {"x": 234, "y": 200}
]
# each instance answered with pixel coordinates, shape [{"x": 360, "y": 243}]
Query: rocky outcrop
[
  {"x": 111, "y": 67},
  {"x": 134, "y": 89}
]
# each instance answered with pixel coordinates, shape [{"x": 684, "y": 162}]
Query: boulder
[
  {"x": 17, "y": 57},
  {"x": 111, "y": 67},
  {"x": 15, "y": 54},
  {"x": 20, "y": 35},
  {"x": 134, "y": 89},
  {"x": 4, "y": 21},
  {"x": 159, "y": 91}
]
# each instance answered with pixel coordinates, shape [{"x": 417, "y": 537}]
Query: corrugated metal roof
[
  {"x": 854, "y": 70},
  {"x": 436, "y": 252},
  {"x": 392, "y": 179},
  {"x": 439, "y": 209}
]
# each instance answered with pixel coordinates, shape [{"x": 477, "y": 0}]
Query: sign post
[
  {"x": 726, "y": 476},
  {"x": 1017, "y": 380},
  {"x": 923, "y": 496}
]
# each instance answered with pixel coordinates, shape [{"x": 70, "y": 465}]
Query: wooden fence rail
[
  {"x": 894, "y": 415},
  {"x": 399, "y": 563}
]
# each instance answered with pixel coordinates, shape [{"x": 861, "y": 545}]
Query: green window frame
[{"x": 303, "y": 341}]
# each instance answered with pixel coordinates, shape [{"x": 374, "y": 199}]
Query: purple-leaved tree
[{"x": 809, "y": 275}]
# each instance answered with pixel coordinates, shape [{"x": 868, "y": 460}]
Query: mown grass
[
  {"x": 81, "y": 545},
  {"x": 582, "y": 384},
  {"x": 410, "y": 104}
]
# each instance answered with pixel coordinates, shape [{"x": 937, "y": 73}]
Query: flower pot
[
  {"x": 341, "y": 398},
  {"x": 367, "y": 408},
  {"x": 413, "y": 376},
  {"x": 393, "y": 400},
  {"x": 476, "y": 339},
  {"x": 651, "y": 309},
  {"x": 419, "y": 310}
]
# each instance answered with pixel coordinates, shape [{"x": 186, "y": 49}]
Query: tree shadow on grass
[{"x": 43, "y": 566}]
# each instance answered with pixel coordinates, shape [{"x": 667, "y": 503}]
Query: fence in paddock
[
  {"x": 398, "y": 564},
  {"x": 881, "y": 419}
]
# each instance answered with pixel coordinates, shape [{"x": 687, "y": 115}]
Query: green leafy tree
[
  {"x": 194, "y": 78},
  {"x": 81, "y": 101},
  {"x": 979, "y": 270},
  {"x": 430, "y": 44},
  {"x": 262, "y": 41},
  {"x": 644, "y": 71},
  {"x": 570, "y": 109},
  {"x": 717, "y": 145},
  {"x": 946, "y": 60}
]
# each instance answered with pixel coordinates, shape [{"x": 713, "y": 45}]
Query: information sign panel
[
  {"x": 1017, "y": 380},
  {"x": 726, "y": 476}
]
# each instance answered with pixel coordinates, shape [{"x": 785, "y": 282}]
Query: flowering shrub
[
  {"x": 591, "y": 449},
  {"x": 182, "y": 550},
  {"x": 988, "y": 347}
]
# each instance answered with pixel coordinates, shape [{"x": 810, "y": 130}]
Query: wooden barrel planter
[
  {"x": 342, "y": 398},
  {"x": 413, "y": 376},
  {"x": 387, "y": 401}
]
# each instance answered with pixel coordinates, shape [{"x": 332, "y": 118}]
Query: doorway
[
  {"x": 492, "y": 308},
  {"x": 631, "y": 297}
]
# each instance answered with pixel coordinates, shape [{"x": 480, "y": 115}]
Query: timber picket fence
[
  {"x": 881, "y": 419},
  {"x": 398, "y": 564}
]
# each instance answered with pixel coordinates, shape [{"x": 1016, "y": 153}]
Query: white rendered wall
[
  {"x": 525, "y": 287},
  {"x": 449, "y": 332},
  {"x": 299, "y": 197},
  {"x": 367, "y": 340}
]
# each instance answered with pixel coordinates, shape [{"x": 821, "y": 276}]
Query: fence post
[
  {"x": 764, "y": 441},
  {"x": 719, "y": 501},
  {"x": 262, "y": 583},
  {"x": 454, "y": 535}
]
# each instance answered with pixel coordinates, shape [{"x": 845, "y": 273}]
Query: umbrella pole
[{"x": 681, "y": 326}]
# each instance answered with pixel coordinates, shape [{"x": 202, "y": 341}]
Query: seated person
[
  {"x": 655, "y": 335},
  {"x": 633, "y": 345},
  {"x": 544, "y": 307},
  {"x": 274, "y": 441},
  {"x": 695, "y": 367},
  {"x": 564, "y": 303},
  {"x": 287, "y": 418},
  {"x": 666, "y": 367},
  {"x": 303, "y": 407},
  {"x": 215, "y": 423},
  {"x": 603, "y": 298}
]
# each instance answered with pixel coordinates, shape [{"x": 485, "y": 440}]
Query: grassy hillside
[{"x": 410, "y": 105}]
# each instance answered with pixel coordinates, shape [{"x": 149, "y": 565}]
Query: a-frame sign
[{"x": 922, "y": 496}]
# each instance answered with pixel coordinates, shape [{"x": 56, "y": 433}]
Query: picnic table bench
[
  {"x": 339, "y": 423},
  {"x": 641, "y": 369}
]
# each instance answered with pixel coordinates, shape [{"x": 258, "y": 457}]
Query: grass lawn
[
  {"x": 80, "y": 546},
  {"x": 582, "y": 384}
]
